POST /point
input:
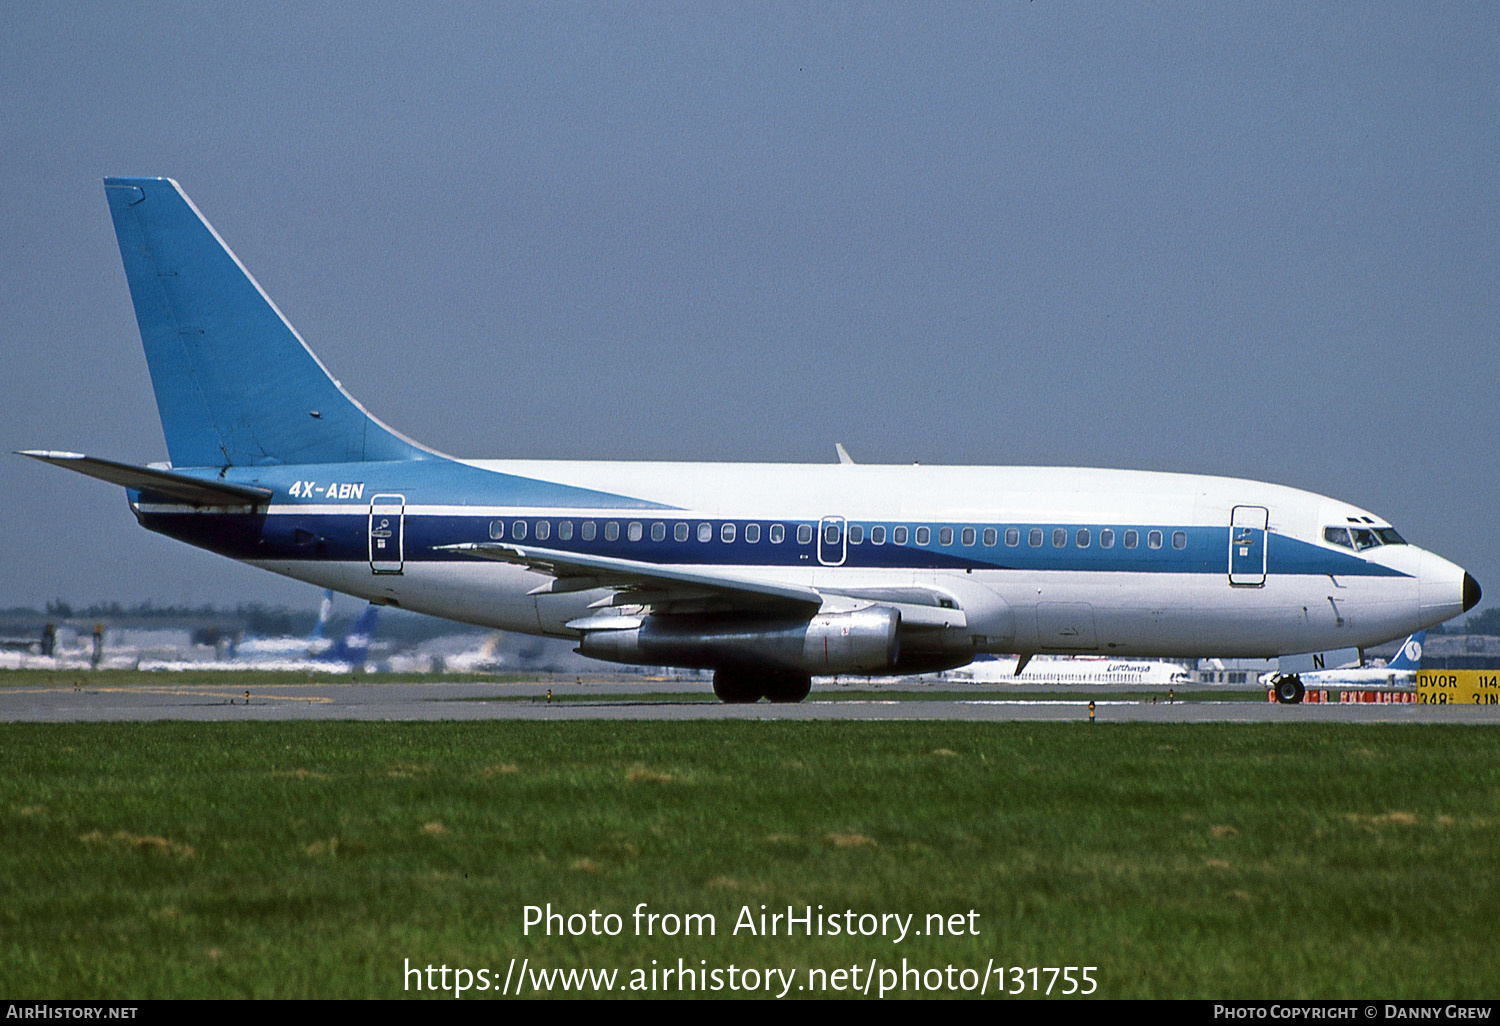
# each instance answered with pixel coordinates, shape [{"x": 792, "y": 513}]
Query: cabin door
[
  {"x": 832, "y": 541},
  {"x": 1247, "y": 546},
  {"x": 387, "y": 531}
]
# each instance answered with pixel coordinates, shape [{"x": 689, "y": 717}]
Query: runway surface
[{"x": 656, "y": 700}]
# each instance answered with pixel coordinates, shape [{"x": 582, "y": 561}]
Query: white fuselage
[{"x": 1070, "y": 593}]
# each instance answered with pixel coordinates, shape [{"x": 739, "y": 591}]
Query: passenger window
[
  {"x": 945, "y": 536},
  {"x": 969, "y": 537},
  {"x": 705, "y": 532},
  {"x": 752, "y": 533},
  {"x": 1034, "y": 538},
  {"x": 633, "y": 531},
  {"x": 1012, "y": 536},
  {"x": 923, "y": 536},
  {"x": 1338, "y": 536},
  {"x": 1179, "y": 539},
  {"x": 831, "y": 534},
  {"x": 991, "y": 536},
  {"x": 1153, "y": 540},
  {"x": 611, "y": 531},
  {"x": 727, "y": 532},
  {"x": 1106, "y": 539},
  {"x": 543, "y": 530},
  {"x": 680, "y": 531},
  {"x": 590, "y": 529},
  {"x": 497, "y": 529},
  {"x": 856, "y": 534},
  {"x": 1082, "y": 538},
  {"x": 1059, "y": 538},
  {"x": 899, "y": 536},
  {"x": 518, "y": 530},
  {"x": 1132, "y": 539},
  {"x": 778, "y": 534},
  {"x": 658, "y": 531},
  {"x": 565, "y": 530},
  {"x": 877, "y": 536},
  {"x": 804, "y": 534}
]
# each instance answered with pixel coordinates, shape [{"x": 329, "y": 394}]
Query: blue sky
[{"x": 1253, "y": 240}]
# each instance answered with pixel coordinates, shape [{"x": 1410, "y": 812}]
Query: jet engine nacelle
[{"x": 863, "y": 641}]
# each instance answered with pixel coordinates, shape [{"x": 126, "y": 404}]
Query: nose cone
[{"x": 1447, "y": 590}]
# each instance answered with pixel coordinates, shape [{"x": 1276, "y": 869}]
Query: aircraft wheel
[
  {"x": 737, "y": 687},
  {"x": 787, "y": 687},
  {"x": 1289, "y": 689}
]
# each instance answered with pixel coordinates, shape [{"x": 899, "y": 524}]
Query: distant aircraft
[
  {"x": 1401, "y": 671},
  {"x": 255, "y": 647},
  {"x": 767, "y": 574},
  {"x": 347, "y": 654},
  {"x": 1073, "y": 670}
]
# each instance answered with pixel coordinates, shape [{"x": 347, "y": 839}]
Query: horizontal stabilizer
[{"x": 169, "y": 483}]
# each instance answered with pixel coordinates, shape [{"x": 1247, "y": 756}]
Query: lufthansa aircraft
[{"x": 765, "y": 573}]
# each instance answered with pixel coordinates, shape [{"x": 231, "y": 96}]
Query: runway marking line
[{"x": 157, "y": 689}]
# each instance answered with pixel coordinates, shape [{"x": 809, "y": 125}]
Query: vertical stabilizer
[
  {"x": 354, "y": 648},
  {"x": 235, "y": 384},
  {"x": 1409, "y": 657}
]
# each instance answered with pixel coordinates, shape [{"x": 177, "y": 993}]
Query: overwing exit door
[
  {"x": 387, "y": 530},
  {"x": 1247, "y": 546}
]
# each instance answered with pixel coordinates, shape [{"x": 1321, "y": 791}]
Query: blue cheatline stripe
[{"x": 344, "y": 537}]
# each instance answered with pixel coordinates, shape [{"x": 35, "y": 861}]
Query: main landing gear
[
  {"x": 740, "y": 686},
  {"x": 1288, "y": 689}
]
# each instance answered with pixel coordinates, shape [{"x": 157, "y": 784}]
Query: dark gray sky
[{"x": 1255, "y": 240}]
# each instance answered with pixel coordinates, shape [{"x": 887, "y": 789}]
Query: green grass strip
[{"x": 311, "y": 859}]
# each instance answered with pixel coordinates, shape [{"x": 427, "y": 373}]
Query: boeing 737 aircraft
[{"x": 765, "y": 573}]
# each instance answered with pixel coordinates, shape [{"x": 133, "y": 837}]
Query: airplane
[
  {"x": 257, "y": 647},
  {"x": 1401, "y": 671},
  {"x": 1073, "y": 670},
  {"x": 344, "y": 655},
  {"x": 766, "y": 574}
]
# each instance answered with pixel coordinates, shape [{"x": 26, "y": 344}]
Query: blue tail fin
[
  {"x": 235, "y": 384},
  {"x": 325, "y": 610},
  {"x": 354, "y": 647},
  {"x": 1409, "y": 656}
]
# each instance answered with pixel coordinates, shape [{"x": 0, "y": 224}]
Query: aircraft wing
[
  {"x": 639, "y": 583},
  {"x": 636, "y": 582}
]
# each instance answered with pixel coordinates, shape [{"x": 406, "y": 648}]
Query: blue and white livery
[{"x": 765, "y": 573}]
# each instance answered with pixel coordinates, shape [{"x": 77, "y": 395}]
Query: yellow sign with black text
[{"x": 1458, "y": 687}]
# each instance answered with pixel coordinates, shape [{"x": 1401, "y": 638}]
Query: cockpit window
[
  {"x": 1338, "y": 536},
  {"x": 1361, "y": 538}
]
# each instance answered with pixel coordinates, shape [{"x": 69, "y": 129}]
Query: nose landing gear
[{"x": 1288, "y": 689}]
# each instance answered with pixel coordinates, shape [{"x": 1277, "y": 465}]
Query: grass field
[{"x": 313, "y": 859}]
